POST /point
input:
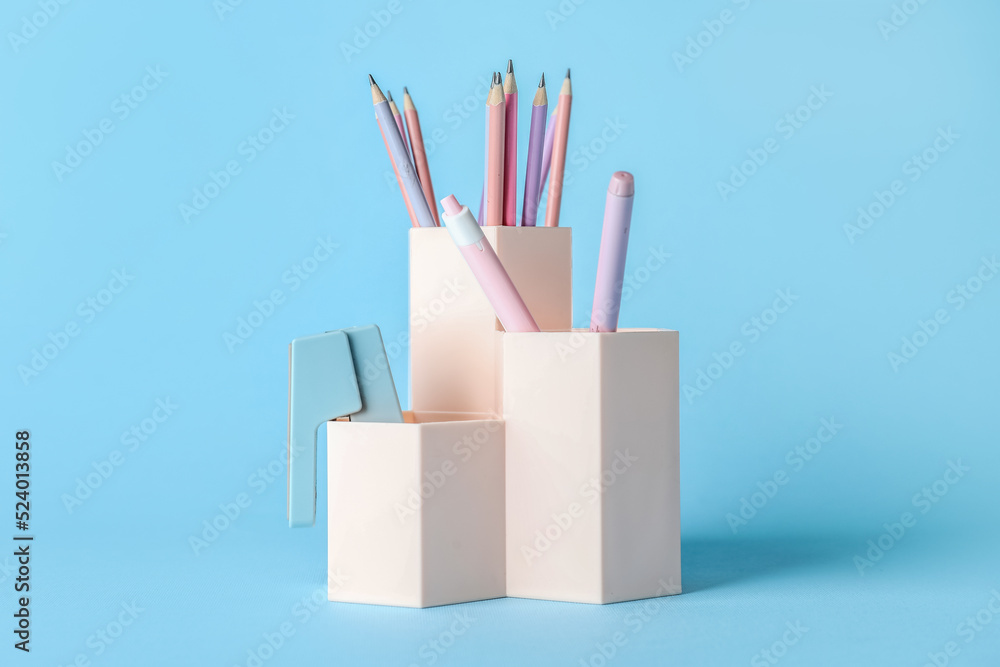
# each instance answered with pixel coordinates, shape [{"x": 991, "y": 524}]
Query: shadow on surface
[{"x": 710, "y": 562}]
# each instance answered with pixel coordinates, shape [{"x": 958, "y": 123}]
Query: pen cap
[
  {"x": 622, "y": 184},
  {"x": 460, "y": 222}
]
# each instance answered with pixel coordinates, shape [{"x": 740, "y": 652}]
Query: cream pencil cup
[{"x": 486, "y": 267}]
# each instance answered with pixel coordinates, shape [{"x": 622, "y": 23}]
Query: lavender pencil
[
  {"x": 550, "y": 135},
  {"x": 533, "y": 169}
]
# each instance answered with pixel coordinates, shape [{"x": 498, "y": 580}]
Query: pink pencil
[
  {"x": 510, "y": 148},
  {"x": 495, "y": 113},
  {"x": 559, "y": 142},
  {"x": 550, "y": 133},
  {"x": 399, "y": 123},
  {"x": 419, "y": 154}
]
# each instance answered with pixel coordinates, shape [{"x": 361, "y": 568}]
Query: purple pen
[
  {"x": 614, "y": 245},
  {"x": 533, "y": 168}
]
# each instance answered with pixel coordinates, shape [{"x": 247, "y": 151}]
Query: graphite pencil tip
[
  {"x": 388, "y": 95},
  {"x": 510, "y": 66},
  {"x": 405, "y": 91},
  {"x": 377, "y": 96},
  {"x": 541, "y": 82},
  {"x": 567, "y": 72}
]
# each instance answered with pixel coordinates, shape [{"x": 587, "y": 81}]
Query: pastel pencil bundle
[
  {"x": 533, "y": 169},
  {"x": 420, "y": 213}
]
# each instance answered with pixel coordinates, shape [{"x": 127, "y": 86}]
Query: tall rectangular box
[
  {"x": 455, "y": 351},
  {"x": 416, "y": 510},
  {"x": 592, "y": 465}
]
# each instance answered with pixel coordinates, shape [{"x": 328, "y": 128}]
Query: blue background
[{"x": 683, "y": 129}]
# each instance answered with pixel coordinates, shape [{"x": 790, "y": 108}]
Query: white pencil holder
[
  {"x": 416, "y": 510},
  {"x": 454, "y": 348},
  {"x": 592, "y": 471}
]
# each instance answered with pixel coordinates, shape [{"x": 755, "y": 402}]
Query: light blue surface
[{"x": 314, "y": 216}]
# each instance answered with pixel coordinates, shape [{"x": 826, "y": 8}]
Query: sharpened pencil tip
[
  {"x": 541, "y": 82},
  {"x": 497, "y": 79},
  {"x": 510, "y": 66},
  {"x": 371, "y": 80},
  {"x": 567, "y": 72},
  {"x": 388, "y": 95},
  {"x": 405, "y": 91}
]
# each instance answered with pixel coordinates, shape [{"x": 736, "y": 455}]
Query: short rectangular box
[
  {"x": 592, "y": 465},
  {"x": 454, "y": 348},
  {"x": 416, "y": 510}
]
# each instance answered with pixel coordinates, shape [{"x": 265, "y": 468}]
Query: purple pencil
[
  {"x": 550, "y": 135},
  {"x": 533, "y": 169}
]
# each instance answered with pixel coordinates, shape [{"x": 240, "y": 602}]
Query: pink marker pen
[
  {"x": 614, "y": 244},
  {"x": 486, "y": 266}
]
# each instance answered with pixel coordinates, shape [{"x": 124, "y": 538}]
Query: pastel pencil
[
  {"x": 399, "y": 120},
  {"x": 420, "y": 213},
  {"x": 399, "y": 181},
  {"x": 560, "y": 141},
  {"x": 419, "y": 154},
  {"x": 510, "y": 148},
  {"x": 550, "y": 134},
  {"x": 533, "y": 167},
  {"x": 495, "y": 112}
]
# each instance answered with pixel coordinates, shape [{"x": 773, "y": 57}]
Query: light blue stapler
[{"x": 336, "y": 374}]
